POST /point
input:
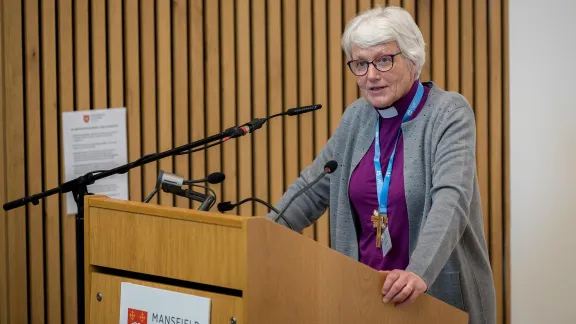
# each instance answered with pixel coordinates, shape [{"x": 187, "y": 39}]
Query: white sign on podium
[{"x": 146, "y": 305}]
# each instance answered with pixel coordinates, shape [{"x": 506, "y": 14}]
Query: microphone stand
[{"x": 79, "y": 189}]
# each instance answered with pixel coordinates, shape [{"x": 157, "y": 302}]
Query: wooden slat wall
[{"x": 187, "y": 69}]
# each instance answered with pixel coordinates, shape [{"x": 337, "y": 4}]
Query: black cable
[{"x": 258, "y": 200}]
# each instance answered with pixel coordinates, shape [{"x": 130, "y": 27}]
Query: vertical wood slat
[
  {"x": 197, "y": 101},
  {"x": 350, "y": 87},
  {"x": 364, "y": 5},
  {"x": 148, "y": 94},
  {"x": 66, "y": 104},
  {"x": 438, "y": 44},
  {"x": 320, "y": 42},
  {"x": 98, "y": 54},
  {"x": 244, "y": 99},
  {"x": 81, "y": 55},
  {"x": 481, "y": 106},
  {"x": 180, "y": 96},
  {"x": 33, "y": 155},
  {"x": 114, "y": 31},
  {"x": 335, "y": 73},
  {"x": 260, "y": 98},
  {"x": 4, "y": 309},
  {"x": 290, "y": 41},
  {"x": 424, "y": 17},
  {"x": 275, "y": 105},
  {"x": 453, "y": 45},
  {"x": 15, "y": 163},
  {"x": 51, "y": 164},
  {"x": 467, "y": 50},
  {"x": 379, "y": 2},
  {"x": 164, "y": 90},
  {"x": 410, "y": 6},
  {"x": 305, "y": 70},
  {"x": 495, "y": 93},
  {"x": 132, "y": 89},
  {"x": 213, "y": 93},
  {"x": 229, "y": 108}
]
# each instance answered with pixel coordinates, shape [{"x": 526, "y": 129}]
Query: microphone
[
  {"x": 255, "y": 124},
  {"x": 226, "y": 205},
  {"x": 168, "y": 178},
  {"x": 302, "y": 110},
  {"x": 329, "y": 167},
  {"x": 172, "y": 183},
  {"x": 213, "y": 178}
]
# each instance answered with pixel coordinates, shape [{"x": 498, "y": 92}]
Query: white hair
[{"x": 382, "y": 25}]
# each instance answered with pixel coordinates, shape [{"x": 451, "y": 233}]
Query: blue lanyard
[{"x": 383, "y": 185}]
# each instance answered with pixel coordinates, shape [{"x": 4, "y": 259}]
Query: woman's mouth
[{"x": 376, "y": 89}]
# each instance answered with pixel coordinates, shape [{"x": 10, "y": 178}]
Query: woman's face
[{"x": 382, "y": 89}]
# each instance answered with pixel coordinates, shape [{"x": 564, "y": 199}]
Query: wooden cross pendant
[{"x": 377, "y": 224}]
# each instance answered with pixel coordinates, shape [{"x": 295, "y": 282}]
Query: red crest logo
[
  {"x": 136, "y": 316},
  {"x": 86, "y": 118}
]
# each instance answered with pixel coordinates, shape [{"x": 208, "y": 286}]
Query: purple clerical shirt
[{"x": 364, "y": 199}]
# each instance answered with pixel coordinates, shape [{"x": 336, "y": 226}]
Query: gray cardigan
[{"x": 447, "y": 244}]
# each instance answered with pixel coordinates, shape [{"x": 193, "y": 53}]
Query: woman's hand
[{"x": 402, "y": 287}]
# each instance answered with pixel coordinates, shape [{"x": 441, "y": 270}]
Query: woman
[{"x": 404, "y": 198}]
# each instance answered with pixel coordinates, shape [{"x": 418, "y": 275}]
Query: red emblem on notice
[
  {"x": 136, "y": 316},
  {"x": 86, "y": 118}
]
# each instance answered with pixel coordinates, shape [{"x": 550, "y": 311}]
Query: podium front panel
[{"x": 201, "y": 250}]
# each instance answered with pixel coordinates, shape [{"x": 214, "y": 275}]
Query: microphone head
[
  {"x": 330, "y": 166},
  {"x": 225, "y": 206},
  {"x": 216, "y": 177},
  {"x": 302, "y": 110},
  {"x": 168, "y": 178}
]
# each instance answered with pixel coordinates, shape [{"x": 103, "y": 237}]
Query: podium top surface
[{"x": 167, "y": 211}]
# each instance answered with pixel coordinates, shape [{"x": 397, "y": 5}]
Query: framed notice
[{"x": 95, "y": 140}]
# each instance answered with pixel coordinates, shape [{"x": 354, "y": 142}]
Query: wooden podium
[{"x": 253, "y": 270}]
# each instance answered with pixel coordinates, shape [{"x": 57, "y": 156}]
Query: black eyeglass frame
[{"x": 391, "y": 56}]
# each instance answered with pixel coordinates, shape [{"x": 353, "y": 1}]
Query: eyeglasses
[{"x": 382, "y": 63}]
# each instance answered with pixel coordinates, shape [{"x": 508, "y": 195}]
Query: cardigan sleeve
[
  {"x": 312, "y": 204},
  {"x": 453, "y": 185}
]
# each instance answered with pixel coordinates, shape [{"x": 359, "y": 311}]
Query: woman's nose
[{"x": 372, "y": 72}]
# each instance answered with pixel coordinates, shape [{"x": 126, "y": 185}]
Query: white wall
[{"x": 543, "y": 161}]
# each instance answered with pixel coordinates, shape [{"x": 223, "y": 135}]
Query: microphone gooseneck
[
  {"x": 212, "y": 178},
  {"x": 329, "y": 167}
]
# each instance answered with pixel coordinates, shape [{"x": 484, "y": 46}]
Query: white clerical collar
[{"x": 388, "y": 112}]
